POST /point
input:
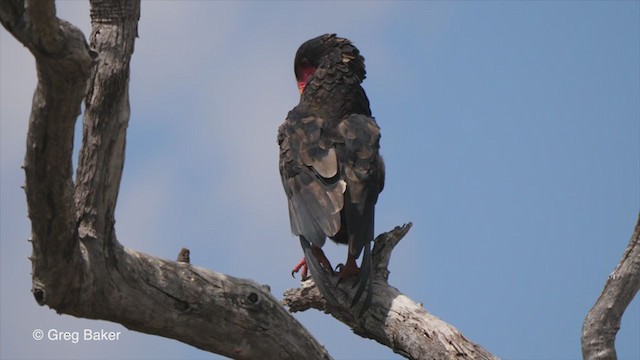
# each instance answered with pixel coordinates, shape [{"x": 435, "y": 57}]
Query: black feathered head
[{"x": 326, "y": 51}]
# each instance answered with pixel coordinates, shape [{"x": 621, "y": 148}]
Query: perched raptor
[{"x": 330, "y": 164}]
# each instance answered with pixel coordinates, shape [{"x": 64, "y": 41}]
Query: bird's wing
[
  {"x": 310, "y": 175},
  {"x": 363, "y": 171},
  {"x": 324, "y": 176}
]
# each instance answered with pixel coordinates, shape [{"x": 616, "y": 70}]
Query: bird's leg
[
  {"x": 348, "y": 269},
  {"x": 301, "y": 265},
  {"x": 322, "y": 258}
]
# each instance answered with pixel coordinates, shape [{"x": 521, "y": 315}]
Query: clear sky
[{"x": 510, "y": 130}]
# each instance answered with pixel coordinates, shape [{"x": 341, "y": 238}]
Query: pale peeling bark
[
  {"x": 79, "y": 268},
  {"x": 393, "y": 319},
  {"x": 603, "y": 320}
]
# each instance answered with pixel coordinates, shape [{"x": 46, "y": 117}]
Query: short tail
[
  {"x": 363, "y": 282},
  {"x": 319, "y": 275},
  {"x": 326, "y": 284}
]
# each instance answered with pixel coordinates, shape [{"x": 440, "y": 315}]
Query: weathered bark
[
  {"x": 64, "y": 63},
  {"x": 79, "y": 268},
  {"x": 603, "y": 320},
  {"x": 393, "y": 319}
]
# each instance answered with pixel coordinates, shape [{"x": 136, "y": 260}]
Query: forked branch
[
  {"x": 393, "y": 319},
  {"x": 79, "y": 268}
]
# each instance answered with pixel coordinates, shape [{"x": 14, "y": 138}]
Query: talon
[
  {"x": 350, "y": 268},
  {"x": 339, "y": 269},
  {"x": 300, "y": 265}
]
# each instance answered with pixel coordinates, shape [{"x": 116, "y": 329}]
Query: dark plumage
[{"x": 331, "y": 170}]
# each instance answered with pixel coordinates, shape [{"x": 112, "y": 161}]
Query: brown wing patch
[
  {"x": 327, "y": 165},
  {"x": 309, "y": 168}
]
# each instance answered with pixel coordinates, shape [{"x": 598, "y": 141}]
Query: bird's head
[{"x": 326, "y": 51}]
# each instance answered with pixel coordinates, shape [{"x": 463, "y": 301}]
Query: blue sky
[{"x": 510, "y": 130}]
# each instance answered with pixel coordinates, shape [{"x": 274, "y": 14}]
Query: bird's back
[{"x": 330, "y": 164}]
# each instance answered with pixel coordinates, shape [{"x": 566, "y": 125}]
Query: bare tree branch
[
  {"x": 603, "y": 320},
  {"x": 43, "y": 24},
  {"x": 63, "y": 64},
  {"x": 79, "y": 268},
  {"x": 393, "y": 319},
  {"x": 234, "y": 317},
  {"x": 101, "y": 160}
]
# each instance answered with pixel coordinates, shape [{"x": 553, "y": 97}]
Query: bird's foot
[
  {"x": 349, "y": 269},
  {"x": 301, "y": 265},
  {"x": 345, "y": 271}
]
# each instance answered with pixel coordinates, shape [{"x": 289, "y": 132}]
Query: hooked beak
[{"x": 301, "y": 86}]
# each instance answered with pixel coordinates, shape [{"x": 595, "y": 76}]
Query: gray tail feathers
[
  {"x": 363, "y": 282},
  {"x": 325, "y": 283},
  {"x": 320, "y": 276}
]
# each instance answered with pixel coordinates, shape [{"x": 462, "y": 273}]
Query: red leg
[
  {"x": 322, "y": 259},
  {"x": 301, "y": 265}
]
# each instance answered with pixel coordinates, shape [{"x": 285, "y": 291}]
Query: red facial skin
[{"x": 305, "y": 74}]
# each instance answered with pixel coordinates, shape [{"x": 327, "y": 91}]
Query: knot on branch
[{"x": 183, "y": 256}]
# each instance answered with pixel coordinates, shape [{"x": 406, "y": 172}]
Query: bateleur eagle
[{"x": 330, "y": 164}]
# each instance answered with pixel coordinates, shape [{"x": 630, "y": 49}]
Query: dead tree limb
[
  {"x": 393, "y": 319},
  {"x": 79, "y": 268},
  {"x": 603, "y": 320}
]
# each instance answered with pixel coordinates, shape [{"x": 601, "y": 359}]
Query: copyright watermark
[
  {"x": 76, "y": 336},
  {"x": 38, "y": 334}
]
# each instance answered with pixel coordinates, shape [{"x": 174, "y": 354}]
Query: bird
[{"x": 330, "y": 165}]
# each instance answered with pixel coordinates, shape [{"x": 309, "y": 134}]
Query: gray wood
[
  {"x": 603, "y": 320},
  {"x": 80, "y": 268},
  {"x": 393, "y": 319}
]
